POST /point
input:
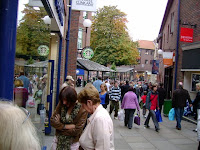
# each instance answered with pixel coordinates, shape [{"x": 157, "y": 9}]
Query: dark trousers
[
  {"x": 179, "y": 114},
  {"x": 114, "y": 105},
  {"x": 144, "y": 110},
  {"x": 129, "y": 117},
  {"x": 160, "y": 106},
  {"x": 153, "y": 115}
]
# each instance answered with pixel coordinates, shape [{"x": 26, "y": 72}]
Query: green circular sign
[
  {"x": 43, "y": 50},
  {"x": 88, "y": 53}
]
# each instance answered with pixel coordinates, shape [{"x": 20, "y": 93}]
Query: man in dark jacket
[
  {"x": 162, "y": 95},
  {"x": 125, "y": 89},
  {"x": 180, "y": 96}
]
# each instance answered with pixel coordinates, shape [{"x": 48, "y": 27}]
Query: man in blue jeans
[{"x": 180, "y": 96}]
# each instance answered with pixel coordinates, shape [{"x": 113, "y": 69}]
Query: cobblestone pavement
[{"x": 140, "y": 138}]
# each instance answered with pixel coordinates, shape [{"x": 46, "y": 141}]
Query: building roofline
[{"x": 167, "y": 10}]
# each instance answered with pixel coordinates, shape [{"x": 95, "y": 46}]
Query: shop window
[
  {"x": 80, "y": 38},
  {"x": 152, "y": 52},
  {"x": 147, "y": 52},
  {"x": 172, "y": 23},
  {"x": 146, "y": 62},
  {"x": 195, "y": 80}
]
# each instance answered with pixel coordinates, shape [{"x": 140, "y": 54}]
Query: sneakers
[{"x": 115, "y": 118}]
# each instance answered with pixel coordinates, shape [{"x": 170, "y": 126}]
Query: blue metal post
[
  {"x": 177, "y": 46},
  {"x": 8, "y": 24},
  {"x": 58, "y": 75},
  {"x": 68, "y": 36}
]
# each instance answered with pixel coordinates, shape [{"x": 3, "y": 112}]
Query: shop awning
[
  {"x": 41, "y": 64},
  {"x": 92, "y": 66},
  {"x": 124, "y": 69}
]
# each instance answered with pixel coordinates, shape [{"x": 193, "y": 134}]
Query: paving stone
[
  {"x": 188, "y": 147},
  {"x": 164, "y": 145},
  {"x": 135, "y": 140},
  {"x": 142, "y": 146},
  {"x": 181, "y": 141},
  {"x": 121, "y": 144}
]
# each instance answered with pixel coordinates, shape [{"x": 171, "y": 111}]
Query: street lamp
[
  {"x": 47, "y": 20},
  {"x": 160, "y": 51},
  {"x": 86, "y": 23}
]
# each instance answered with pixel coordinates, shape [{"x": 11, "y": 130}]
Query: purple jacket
[{"x": 130, "y": 101}]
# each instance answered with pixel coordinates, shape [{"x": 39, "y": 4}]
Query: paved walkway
[{"x": 140, "y": 138}]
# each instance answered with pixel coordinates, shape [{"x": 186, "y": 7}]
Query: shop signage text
[
  {"x": 84, "y": 5},
  {"x": 186, "y": 35},
  {"x": 60, "y": 10}
]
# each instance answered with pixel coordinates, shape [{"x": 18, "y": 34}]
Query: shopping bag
[
  {"x": 158, "y": 116},
  {"x": 31, "y": 102},
  {"x": 137, "y": 119},
  {"x": 171, "y": 114},
  {"x": 121, "y": 115}
]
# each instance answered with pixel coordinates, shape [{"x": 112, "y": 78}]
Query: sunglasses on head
[{"x": 27, "y": 114}]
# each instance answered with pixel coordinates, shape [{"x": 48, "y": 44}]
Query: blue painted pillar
[{"x": 8, "y": 24}]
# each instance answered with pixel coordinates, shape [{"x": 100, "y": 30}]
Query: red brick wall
[
  {"x": 189, "y": 13},
  {"x": 72, "y": 53}
]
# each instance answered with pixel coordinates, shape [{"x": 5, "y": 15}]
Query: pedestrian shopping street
[{"x": 140, "y": 138}]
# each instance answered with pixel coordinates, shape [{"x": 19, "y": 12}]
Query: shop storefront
[{"x": 191, "y": 67}]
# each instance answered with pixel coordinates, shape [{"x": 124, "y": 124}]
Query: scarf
[{"x": 64, "y": 142}]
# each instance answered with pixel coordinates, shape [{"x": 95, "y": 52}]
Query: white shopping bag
[{"x": 121, "y": 115}]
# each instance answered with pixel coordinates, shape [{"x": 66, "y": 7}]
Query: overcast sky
[{"x": 144, "y": 16}]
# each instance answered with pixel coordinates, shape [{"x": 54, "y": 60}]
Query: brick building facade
[
  {"x": 146, "y": 51},
  {"x": 169, "y": 41}
]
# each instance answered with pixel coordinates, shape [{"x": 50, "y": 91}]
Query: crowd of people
[{"x": 80, "y": 118}]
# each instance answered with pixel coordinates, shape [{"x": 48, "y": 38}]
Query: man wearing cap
[
  {"x": 68, "y": 82},
  {"x": 180, "y": 96}
]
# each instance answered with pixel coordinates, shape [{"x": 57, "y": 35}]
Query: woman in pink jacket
[{"x": 129, "y": 104}]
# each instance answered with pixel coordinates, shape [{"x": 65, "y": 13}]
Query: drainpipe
[
  {"x": 68, "y": 36},
  {"x": 177, "y": 46}
]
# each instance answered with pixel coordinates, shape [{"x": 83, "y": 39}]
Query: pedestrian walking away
[
  {"x": 162, "y": 96},
  {"x": 98, "y": 83},
  {"x": 115, "y": 96},
  {"x": 180, "y": 96},
  {"x": 130, "y": 104},
  {"x": 152, "y": 103}
]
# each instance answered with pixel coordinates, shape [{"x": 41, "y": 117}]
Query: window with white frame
[{"x": 80, "y": 39}]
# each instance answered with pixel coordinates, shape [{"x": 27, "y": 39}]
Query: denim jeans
[
  {"x": 153, "y": 115},
  {"x": 129, "y": 117},
  {"x": 178, "y": 113}
]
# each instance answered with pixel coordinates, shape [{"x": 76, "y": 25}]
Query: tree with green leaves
[
  {"x": 32, "y": 32},
  {"x": 110, "y": 39}
]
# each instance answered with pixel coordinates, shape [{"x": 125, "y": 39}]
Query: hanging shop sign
[
  {"x": 186, "y": 35},
  {"x": 43, "y": 50},
  {"x": 168, "y": 58},
  {"x": 84, "y": 5},
  {"x": 87, "y": 53},
  {"x": 155, "y": 66}
]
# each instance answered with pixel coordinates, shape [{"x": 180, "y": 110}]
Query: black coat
[
  {"x": 162, "y": 95},
  {"x": 180, "y": 96},
  {"x": 196, "y": 101}
]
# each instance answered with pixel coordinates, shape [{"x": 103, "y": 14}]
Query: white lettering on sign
[{"x": 84, "y": 5}]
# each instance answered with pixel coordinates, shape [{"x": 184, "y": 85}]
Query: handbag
[
  {"x": 171, "y": 114},
  {"x": 158, "y": 116},
  {"x": 137, "y": 119}
]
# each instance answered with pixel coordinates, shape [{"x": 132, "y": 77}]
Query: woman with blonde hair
[
  {"x": 20, "y": 93},
  {"x": 98, "y": 133},
  {"x": 104, "y": 96},
  {"x": 16, "y": 129}
]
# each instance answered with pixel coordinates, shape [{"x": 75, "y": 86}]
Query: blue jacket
[
  {"x": 97, "y": 84},
  {"x": 25, "y": 80}
]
